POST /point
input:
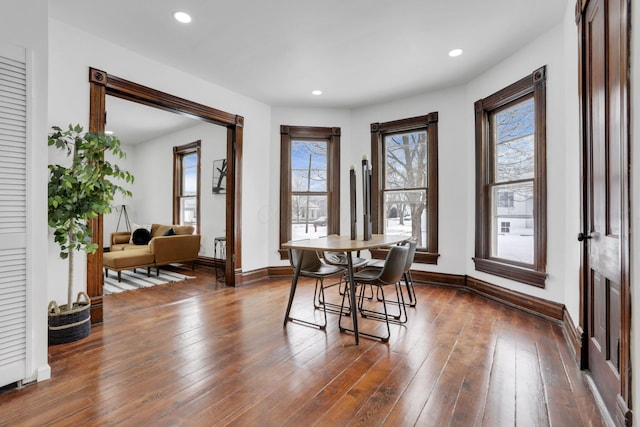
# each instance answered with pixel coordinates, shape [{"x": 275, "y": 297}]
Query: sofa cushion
[
  {"x": 183, "y": 229},
  {"x": 123, "y": 246},
  {"x": 141, "y": 236},
  {"x": 127, "y": 259},
  {"x": 158, "y": 230},
  {"x": 120, "y": 238},
  {"x": 169, "y": 232},
  {"x": 179, "y": 248}
]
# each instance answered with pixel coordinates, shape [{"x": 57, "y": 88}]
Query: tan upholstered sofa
[{"x": 162, "y": 249}]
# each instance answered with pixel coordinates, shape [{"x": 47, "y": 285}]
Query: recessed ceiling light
[
  {"x": 455, "y": 52},
  {"x": 183, "y": 17},
  {"x": 316, "y": 92}
]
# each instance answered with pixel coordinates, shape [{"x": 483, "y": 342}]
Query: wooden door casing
[
  {"x": 605, "y": 297},
  {"x": 102, "y": 84}
]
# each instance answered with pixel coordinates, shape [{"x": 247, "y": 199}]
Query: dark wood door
[{"x": 605, "y": 233}]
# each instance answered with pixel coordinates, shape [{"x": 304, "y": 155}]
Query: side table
[{"x": 220, "y": 255}]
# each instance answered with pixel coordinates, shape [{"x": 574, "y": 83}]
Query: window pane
[
  {"x": 512, "y": 222},
  {"x": 308, "y": 216},
  {"x": 190, "y": 174},
  {"x": 406, "y": 212},
  {"x": 505, "y": 198},
  {"x": 188, "y": 209},
  {"x": 514, "y": 142},
  {"x": 308, "y": 166},
  {"x": 406, "y": 160}
]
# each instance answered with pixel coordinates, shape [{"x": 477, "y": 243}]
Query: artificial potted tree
[{"x": 79, "y": 192}]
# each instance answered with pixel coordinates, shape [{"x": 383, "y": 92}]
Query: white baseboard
[{"x": 44, "y": 373}]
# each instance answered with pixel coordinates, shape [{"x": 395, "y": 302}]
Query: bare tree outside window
[
  {"x": 309, "y": 183},
  {"x": 309, "y": 189},
  {"x": 404, "y": 157},
  {"x": 510, "y": 130},
  {"x": 514, "y": 159},
  {"x": 405, "y": 192}
]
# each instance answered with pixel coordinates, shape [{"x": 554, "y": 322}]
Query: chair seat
[
  {"x": 322, "y": 270},
  {"x": 367, "y": 274},
  {"x": 377, "y": 265},
  {"x": 340, "y": 258},
  {"x": 390, "y": 274},
  {"x": 313, "y": 267}
]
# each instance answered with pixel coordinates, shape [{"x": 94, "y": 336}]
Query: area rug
[{"x": 131, "y": 280}]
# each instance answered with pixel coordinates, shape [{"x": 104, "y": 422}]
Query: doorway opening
[{"x": 103, "y": 84}]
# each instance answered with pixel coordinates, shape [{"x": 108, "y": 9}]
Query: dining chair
[
  {"x": 408, "y": 278},
  {"x": 406, "y": 275},
  {"x": 338, "y": 259},
  {"x": 313, "y": 267},
  {"x": 389, "y": 275}
]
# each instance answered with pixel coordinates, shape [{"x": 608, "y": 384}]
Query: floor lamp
[{"x": 123, "y": 209}]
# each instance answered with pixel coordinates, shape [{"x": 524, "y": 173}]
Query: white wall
[
  {"x": 355, "y": 141},
  {"x": 270, "y": 214},
  {"x": 456, "y": 159},
  {"x": 153, "y": 170},
  {"x": 547, "y": 50},
  {"x": 571, "y": 118},
  {"x": 558, "y": 50},
  {"x": 452, "y": 152},
  {"x": 26, "y": 26},
  {"x": 72, "y": 52},
  {"x": 110, "y": 223},
  {"x": 151, "y": 164}
]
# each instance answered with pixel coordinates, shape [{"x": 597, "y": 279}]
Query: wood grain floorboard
[{"x": 199, "y": 353}]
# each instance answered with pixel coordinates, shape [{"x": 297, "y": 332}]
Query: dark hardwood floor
[{"x": 199, "y": 353}]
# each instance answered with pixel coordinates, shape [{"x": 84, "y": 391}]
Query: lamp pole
[{"x": 123, "y": 209}]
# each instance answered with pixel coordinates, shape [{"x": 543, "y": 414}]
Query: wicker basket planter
[{"x": 69, "y": 325}]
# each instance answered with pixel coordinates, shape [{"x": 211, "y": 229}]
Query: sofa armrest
[
  {"x": 120, "y": 237},
  {"x": 178, "y": 248}
]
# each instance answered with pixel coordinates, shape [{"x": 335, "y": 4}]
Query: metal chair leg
[
  {"x": 324, "y": 311},
  {"x": 408, "y": 280},
  {"x": 411, "y": 293},
  {"x": 319, "y": 302},
  {"x": 399, "y": 318},
  {"x": 360, "y": 331}
]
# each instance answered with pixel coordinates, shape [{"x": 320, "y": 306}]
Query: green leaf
[{"x": 84, "y": 188}]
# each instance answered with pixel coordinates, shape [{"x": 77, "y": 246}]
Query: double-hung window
[
  {"x": 511, "y": 181},
  {"x": 186, "y": 185},
  {"x": 309, "y": 182},
  {"x": 404, "y": 185}
]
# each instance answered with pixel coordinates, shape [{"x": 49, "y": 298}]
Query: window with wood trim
[
  {"x": 309, "y": 182},
  {"x": 186, "y": 185},
  {"x": 404, "y": 188},
  {"x": 511, "y": 206}
]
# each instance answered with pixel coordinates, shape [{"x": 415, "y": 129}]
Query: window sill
[
  {"x": 421, "y": 257},
  {"x": 519, "y": 274}
]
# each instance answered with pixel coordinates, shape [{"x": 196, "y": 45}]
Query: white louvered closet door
[{"x": 13, "y": 211}]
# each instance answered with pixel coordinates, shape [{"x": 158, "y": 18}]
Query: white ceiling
[
  {"x": 135, "y": 123},
  {"x": 358, "y": 52}
]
